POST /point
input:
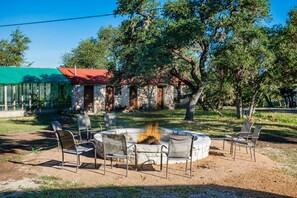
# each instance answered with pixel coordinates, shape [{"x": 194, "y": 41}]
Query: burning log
[{"x": 151, "y": 135}]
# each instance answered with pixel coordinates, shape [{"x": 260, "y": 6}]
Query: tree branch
[{"x": 176, "y": 74}]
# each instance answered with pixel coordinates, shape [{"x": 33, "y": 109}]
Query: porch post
[
  {"x": 51, "y": 96},
  {"x": 14, "y": 103},
  {"x": 22, "y": 91},
  {"x": 30, "y": 95},
  {"x": 5, "y": 98}
]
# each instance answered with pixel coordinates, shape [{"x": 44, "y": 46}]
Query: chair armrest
[
  {"x": 88, "y": 142},
  {"x": 163, "y": 146}
]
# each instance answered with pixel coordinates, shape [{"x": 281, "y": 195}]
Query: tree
[
  {"x": 93, "y": 52},
  {"x": 248, "y": 62},
  {"x": 284, "y": 45},
  {"x": 187, "y": 32},
  {"x": 12, "y": 52}
]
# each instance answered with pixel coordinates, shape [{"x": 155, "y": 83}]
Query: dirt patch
[{"x": 218, "y": 172}]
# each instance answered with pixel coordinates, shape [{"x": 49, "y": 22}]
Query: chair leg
[
  {"x": 231, "y": 147},
  {"x": 167, "y": 167},
  {"x": 191, "y": 163},
  {"x": 136, "y": 158},
  {"x": 104, "y": 163},
  {"x": 111, "y": 162},
  {"x": 95, "y": 153},
  {"x": 62, "y": 159},
  {"x": 251, "y": 152},
  {"x": 186, "y": 166},
  {"x": 127, "y": 167},
  {"x": 161, "y": 161},
  {"x": 77, "y": 162},
  {"x": 234, "y": 151},
  {"x": 224, "y": 144},
  {"x": 255, "y": 153}
]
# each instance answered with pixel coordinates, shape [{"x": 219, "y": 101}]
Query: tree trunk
[
  {"x": 238, "y": 102},
  {"x": 239, "y": 108},
  {"x": 179, "y": 92},
  {"x": 252, "y": 105},
  {"x": 220, "y": 104},
  {"x": 268, "y": 101},
  {"x": 203, "y": 104},
  {"x": 192, "y": 104}
]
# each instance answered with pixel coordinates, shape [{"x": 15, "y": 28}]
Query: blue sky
[{"x": 51, "y": 40}]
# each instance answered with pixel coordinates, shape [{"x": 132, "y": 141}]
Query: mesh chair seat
[{"x": 81, "y": 149}]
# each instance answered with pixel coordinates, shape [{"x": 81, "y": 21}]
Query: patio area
[{"x": 218, "y": 173}]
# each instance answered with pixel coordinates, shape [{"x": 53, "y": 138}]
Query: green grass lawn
[{"x": 274, "y": 124}]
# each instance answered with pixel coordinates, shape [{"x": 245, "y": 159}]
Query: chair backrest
[
  {"x": 256, "y": 133},
  {"x": 110, "y": 119},
  {"x": 246, "y": 127},
  {"x": 180, "y": 146},
  {"x": 114, "y": 144},
  {"x": 83, "y": 122},
  {"x": 66, "y": 140},
  {"x": 56, "y": 126}
]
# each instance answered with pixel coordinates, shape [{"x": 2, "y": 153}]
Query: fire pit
[{"x": 149, "y": 148}]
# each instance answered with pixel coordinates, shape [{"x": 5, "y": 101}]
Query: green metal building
[{"x": 27, "y": 89}]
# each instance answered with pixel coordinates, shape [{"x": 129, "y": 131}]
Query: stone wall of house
[
  {"x": 78, "y": 97},
  {"x": 122, "y": 100},
  {"x": 169, "y": 97},
  {"x": 99, "y": 98},
  {"x": 147, "y": 97}
]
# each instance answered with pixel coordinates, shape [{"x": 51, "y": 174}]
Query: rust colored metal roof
[{"x": 86, "y": 76}]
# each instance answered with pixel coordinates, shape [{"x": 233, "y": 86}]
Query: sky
[{"x": 49, "y": 41}]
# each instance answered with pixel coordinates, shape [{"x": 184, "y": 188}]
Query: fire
[{"x": 150, "y": 132}]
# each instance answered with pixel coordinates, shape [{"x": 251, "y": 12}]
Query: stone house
[{"x": 93, "y": 93}]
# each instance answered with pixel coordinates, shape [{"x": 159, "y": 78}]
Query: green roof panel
[{"x": 17, "y": 75}]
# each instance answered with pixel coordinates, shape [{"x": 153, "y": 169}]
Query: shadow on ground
[{"x": 210, "y": 190}]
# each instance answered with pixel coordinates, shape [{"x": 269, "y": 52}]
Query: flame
[{"x": 150, "y": 131}]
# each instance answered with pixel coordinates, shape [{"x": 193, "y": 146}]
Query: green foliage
[
  {"x": 283, "y": 43},
  {"x": 93, "y": 52},
  {"x": 180, "y": 41},
  {"x": 12, "y": 52}
]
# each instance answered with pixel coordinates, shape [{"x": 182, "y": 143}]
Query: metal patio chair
[
  {"x": 84, "y": 125},
  {"x": 245, "y": 131},
  {"x": 69, "y": 145},
  {"x": 115, "y": 146},
  {"x": 180, "y": 147},
  {"x": 250, "y": 141},
  {"x": 57, "y": 126}
]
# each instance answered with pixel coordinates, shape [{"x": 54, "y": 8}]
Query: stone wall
[
  {"x": 99, "y": 98},
  {"x": 122, "y": 100},
  {"x": 78, "y": 97},
  {"x": 169, "y": 97},
  {"x": 147, "y": 97}
]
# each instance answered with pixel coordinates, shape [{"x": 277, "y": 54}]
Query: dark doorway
[
  {"x": 109, "y": 102},
  {"x": 88, "y": 98},
  {"x": 160, "y": 97},
  {"x": 133, "y": 98}
]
